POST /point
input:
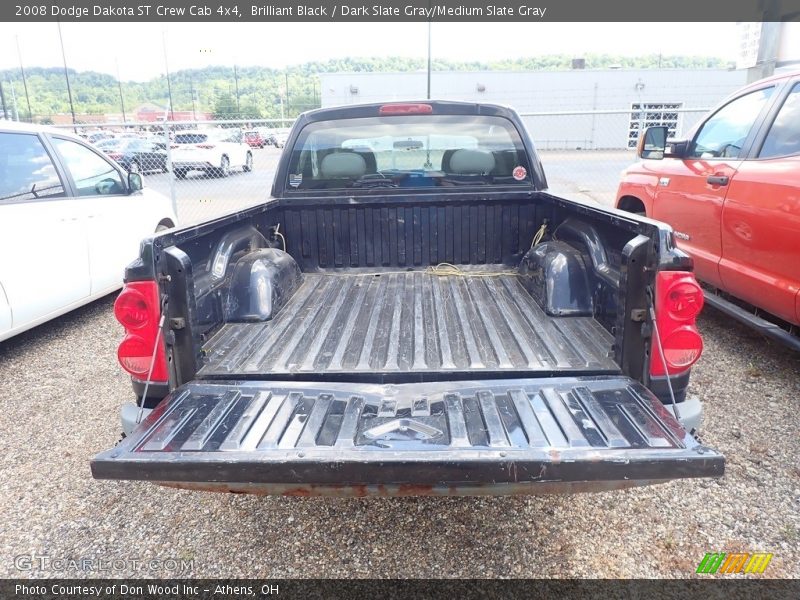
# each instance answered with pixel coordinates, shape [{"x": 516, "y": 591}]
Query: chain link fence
[
  {"x": 584, "y": 152},
  {"x": 211, "y": 168},
  {"x": 207, "y": 168}
]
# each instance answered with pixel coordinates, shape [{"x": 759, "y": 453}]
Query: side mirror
[
  {"x": 653, "y": 144},
  {"x": 135, "y": 182}
]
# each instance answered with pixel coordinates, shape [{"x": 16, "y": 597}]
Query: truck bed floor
[{"x": 415, "y": 322}]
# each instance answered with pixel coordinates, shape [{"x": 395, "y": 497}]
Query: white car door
[
  {"x": 115, "y": 223},
  {"x": 44, "y": 263}
]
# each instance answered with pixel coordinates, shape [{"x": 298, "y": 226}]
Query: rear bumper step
[{"x": 506, "y": 436}]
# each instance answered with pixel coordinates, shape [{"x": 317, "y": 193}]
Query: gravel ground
[{"x": 61, "y": 390}]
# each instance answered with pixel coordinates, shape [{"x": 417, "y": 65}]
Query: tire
[
  {"x": 180, "y": 173},
  {"x": 224, "y": 167},
  {"x": 248, "y": 163},
  {"x": 134, "y": 167}
]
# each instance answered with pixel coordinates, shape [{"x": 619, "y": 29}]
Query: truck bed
[{"x": 340, "y": 323}]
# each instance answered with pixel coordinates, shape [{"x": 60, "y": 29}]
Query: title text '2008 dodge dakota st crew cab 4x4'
[{"x": 411, "y": 313}]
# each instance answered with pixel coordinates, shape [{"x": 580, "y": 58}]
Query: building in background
[
  {"x": 564, "y": 110},
  {"x": 767, "y": 48}
]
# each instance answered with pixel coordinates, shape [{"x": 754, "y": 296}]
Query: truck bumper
[
  {"x": 191, "y": 165},
  {"x": 690, "y": 413},
  {"x": 489, "y": 437}
]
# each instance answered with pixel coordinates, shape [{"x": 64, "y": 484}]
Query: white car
[
  {"x": 214, "y": 151},
  {"x": 71, "y": 220},
  {"x": 280, "y": 138}
]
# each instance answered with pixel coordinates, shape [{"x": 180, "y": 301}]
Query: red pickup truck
[{"x": 731, "y": 191}]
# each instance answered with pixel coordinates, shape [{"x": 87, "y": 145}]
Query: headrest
[
  {"x": 343, "y": 165},
  {"x": 471, "y": 162}
]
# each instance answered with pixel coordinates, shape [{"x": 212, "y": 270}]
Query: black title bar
[{"x": 404, "y": 10}]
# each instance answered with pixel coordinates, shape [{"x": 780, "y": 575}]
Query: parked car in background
[
  {"x": 254, "y": 139},
  {"x": 731, "y": 191},
  {"x": 266, "y": 134},
  {"x": 97, "y": 136},
  {"x": 75, "y": 215},
  {"x": 110, "y": 144},
  {"x": 139, "y": 156},
  {"x": 279, "y": 138},
  {"x": 214, "y": 151}
]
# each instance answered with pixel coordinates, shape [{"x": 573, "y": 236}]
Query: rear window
[
  {"x": 408, "y": 151},
  {"x": 191, "y": 138}
]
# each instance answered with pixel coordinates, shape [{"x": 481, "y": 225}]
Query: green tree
[{"x": 225, "y": 106}]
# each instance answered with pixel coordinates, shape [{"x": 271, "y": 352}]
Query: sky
[{"x": 138, "y": 48}]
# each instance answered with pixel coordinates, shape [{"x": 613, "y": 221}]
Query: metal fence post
[{"x": 172, "y": 193}]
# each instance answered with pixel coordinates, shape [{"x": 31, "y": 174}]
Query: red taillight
[
  {"x": 406, "y": 109},
  {"x": 684, "y": 299},
  {"x": 206, "y": 146},
  {"x": 114, "y": 155},
  {"x": 678, "y": 301},
  {"x": 682, "y": 347},
  {"x": 134, "y": 355},
  {"x": 131, "y": 309},
  {"x": 137, "y": 309}
]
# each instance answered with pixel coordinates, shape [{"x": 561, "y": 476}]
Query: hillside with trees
[{"x": 261, "y": 92}]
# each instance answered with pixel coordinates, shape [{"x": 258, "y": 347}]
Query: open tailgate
[{"x": 489, "y": 437}]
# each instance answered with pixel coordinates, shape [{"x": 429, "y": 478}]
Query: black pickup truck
[{"x": 411, "y": 313}]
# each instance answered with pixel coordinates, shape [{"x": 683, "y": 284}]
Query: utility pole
[
  {"x": 66, "y": 76},
  {"x": 429, "y": 58},
  {"x": 14, "y": 108},
  {"x": 286, "y": 77},
  {"x": 768, "y": 45},
  {"x": 121, "y": 100},
  {"x": 236, "y": 83},
  {"x": 3, "y": 101},
  {"x": 166, "y": 68},
  {"x": 191, "y": 88},
  {"x": 24, "y": 83}
]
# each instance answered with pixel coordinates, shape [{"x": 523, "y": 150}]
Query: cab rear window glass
[
  {"x": 408, "y": 151},
  {"x": 26, "y": 171}
]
